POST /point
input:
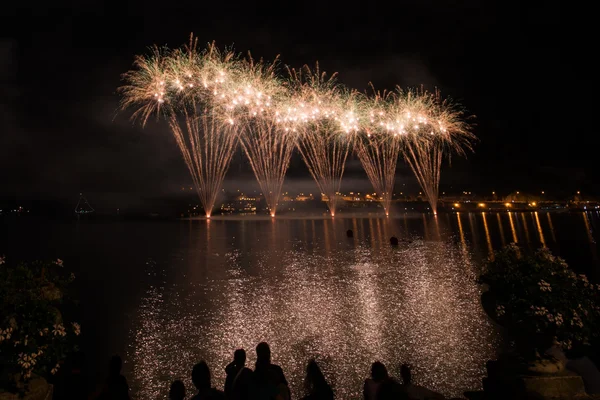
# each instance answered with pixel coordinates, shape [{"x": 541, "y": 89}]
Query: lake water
[{"x": 166, "y": 294}]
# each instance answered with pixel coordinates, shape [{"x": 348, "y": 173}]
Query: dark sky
[{"x": 60, "y": 67}]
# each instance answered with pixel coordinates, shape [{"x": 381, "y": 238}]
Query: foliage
[
  {"x": 34, "y": 335},
  {"x": 541, "y": 301}
]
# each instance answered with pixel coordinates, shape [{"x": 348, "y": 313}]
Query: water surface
[{"x": 167, "y": 294}]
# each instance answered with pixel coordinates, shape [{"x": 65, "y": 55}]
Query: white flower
[
  {"x": 539, "y": 310},
  {"x": 59, "y": 262},
  {"x": 559, "y": 319},
  {"x": 544, "y": 286},
  {"x": 2, "y": 260},
  {"x": 55, "y": 369},
  {"x": 72, "y": 276},
  {"x": 59, "y": 330},
  {"x": 76, "y": 328}
]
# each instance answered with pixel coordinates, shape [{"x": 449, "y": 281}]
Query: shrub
[
  {"x": 541, "y": 301},
  {"x": 34, "y": 334}
]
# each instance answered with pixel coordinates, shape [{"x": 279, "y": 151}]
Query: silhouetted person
[
  {"x": 390, "y": 389},
  {"x": 416, "y": 392},
  {"x": 116, "y": 387},
  {"x": 394, "y": 241},
  {"x": 315, "y": 384},
  {"x": 201, "y": 379},
  {"x": 379, "y": 374},
  {"x": 72, "y": 383},
  {"x": 268, "y": 379},
  {"x": 349, "y": 233},
  {"x": 177, "y": 391},
  {"x": 239, "y": 378}
]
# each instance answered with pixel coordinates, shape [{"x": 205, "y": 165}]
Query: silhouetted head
[
  {"x": 405, "y": 374},
  {"x": 349, "y": 233},
  {"x": 201, "y": 376},
  {"x": 263, "y": 353},
  {"x": 114, "y": 365},
  {"x": 314, "y": 377},
  {"x": 177, "y": 391},
  {"x": 394, "y": 241},
  {"x": 239, "y": 356},
  {"x": 378, "y": 372}
]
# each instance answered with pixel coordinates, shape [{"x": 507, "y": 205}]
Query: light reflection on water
[{"x": 310, "y": 291}]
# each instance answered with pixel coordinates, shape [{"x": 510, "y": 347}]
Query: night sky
[{"x": 60, "y": 67}]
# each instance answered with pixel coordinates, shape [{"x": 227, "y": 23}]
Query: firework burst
[
  {"x": 435, "y": 128},
  {"x": 180, "y": 85},
  {"x": 251, "y": 111},
  {"x": 378, "y": 148},
  {"x": 321, "y": 112},
  {"x": 212, "y": 99}
]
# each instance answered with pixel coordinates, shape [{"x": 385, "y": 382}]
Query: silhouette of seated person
[
  {"x": 239, "y": 378},
  {"x": 201, "y": 379},
  {"x": 177, "y": 391},
  {"x": 390, "y": 389},
  {"x": 379, "y": 374},
  {"x": 416, "y": 392},
  {"x": 72, "y": 383},
  {"x": 315, "y": 384},
  {"x": 268, "y": 379},
  {"x": 115, "y": 387}
]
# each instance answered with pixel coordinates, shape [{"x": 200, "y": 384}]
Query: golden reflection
[
  {"x": 474, "y": 232},
  {"x": 512, "y": 228},
  {"x": 326, "y": 230},
  {"x": 487, "y": 236},
  {"x": 461, "y": 232},
  {"x": 590, "y": 236},
  {"x": 539, "y": 228},
  {"x": 304, "y": 231},
  {"x": 437, "y": 228},
  {"x": 501, "y": 229},
  {"x": 372, "y": 232},
  {"x": 525, "y": 228},
  {"x": 425, "y": 228},
  {"x": 380, "y": 236},
  {"x": 551, "y": 227},
  {"x": 588, "y": 230},
  {"x": 355, "y": 231}
]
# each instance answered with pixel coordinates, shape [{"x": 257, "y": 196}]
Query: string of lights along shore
[{"x": 214, "y": 99}]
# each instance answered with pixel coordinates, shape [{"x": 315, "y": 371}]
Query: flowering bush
[
  {"x": 34, "y": 335},
  {"x": 541, "y": 301}
]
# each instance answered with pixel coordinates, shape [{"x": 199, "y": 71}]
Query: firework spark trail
[
  {"x": 269, "y": 149},
  {"x": 425, "y": 160},
  {"x": 250, "y": 111},
  {"x": 379, "y": 149},
  {"x": 269, "y": 119},
  {"x": 379, "y": 157},
  {"x": 207, "y": 148},
  {"x": 322, "y": 115},
  {"x": 436, "y": 129}
]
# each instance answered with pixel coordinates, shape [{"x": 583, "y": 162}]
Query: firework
[
  {"x": 251, "y": 112},
  {"x": 180, "y": 85},
  {"x": 321, "y": 113},
  {"x": 379, "y": 147},
  {"x": 213, "y": 99},
  {"x": 435, "y": 128}
]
